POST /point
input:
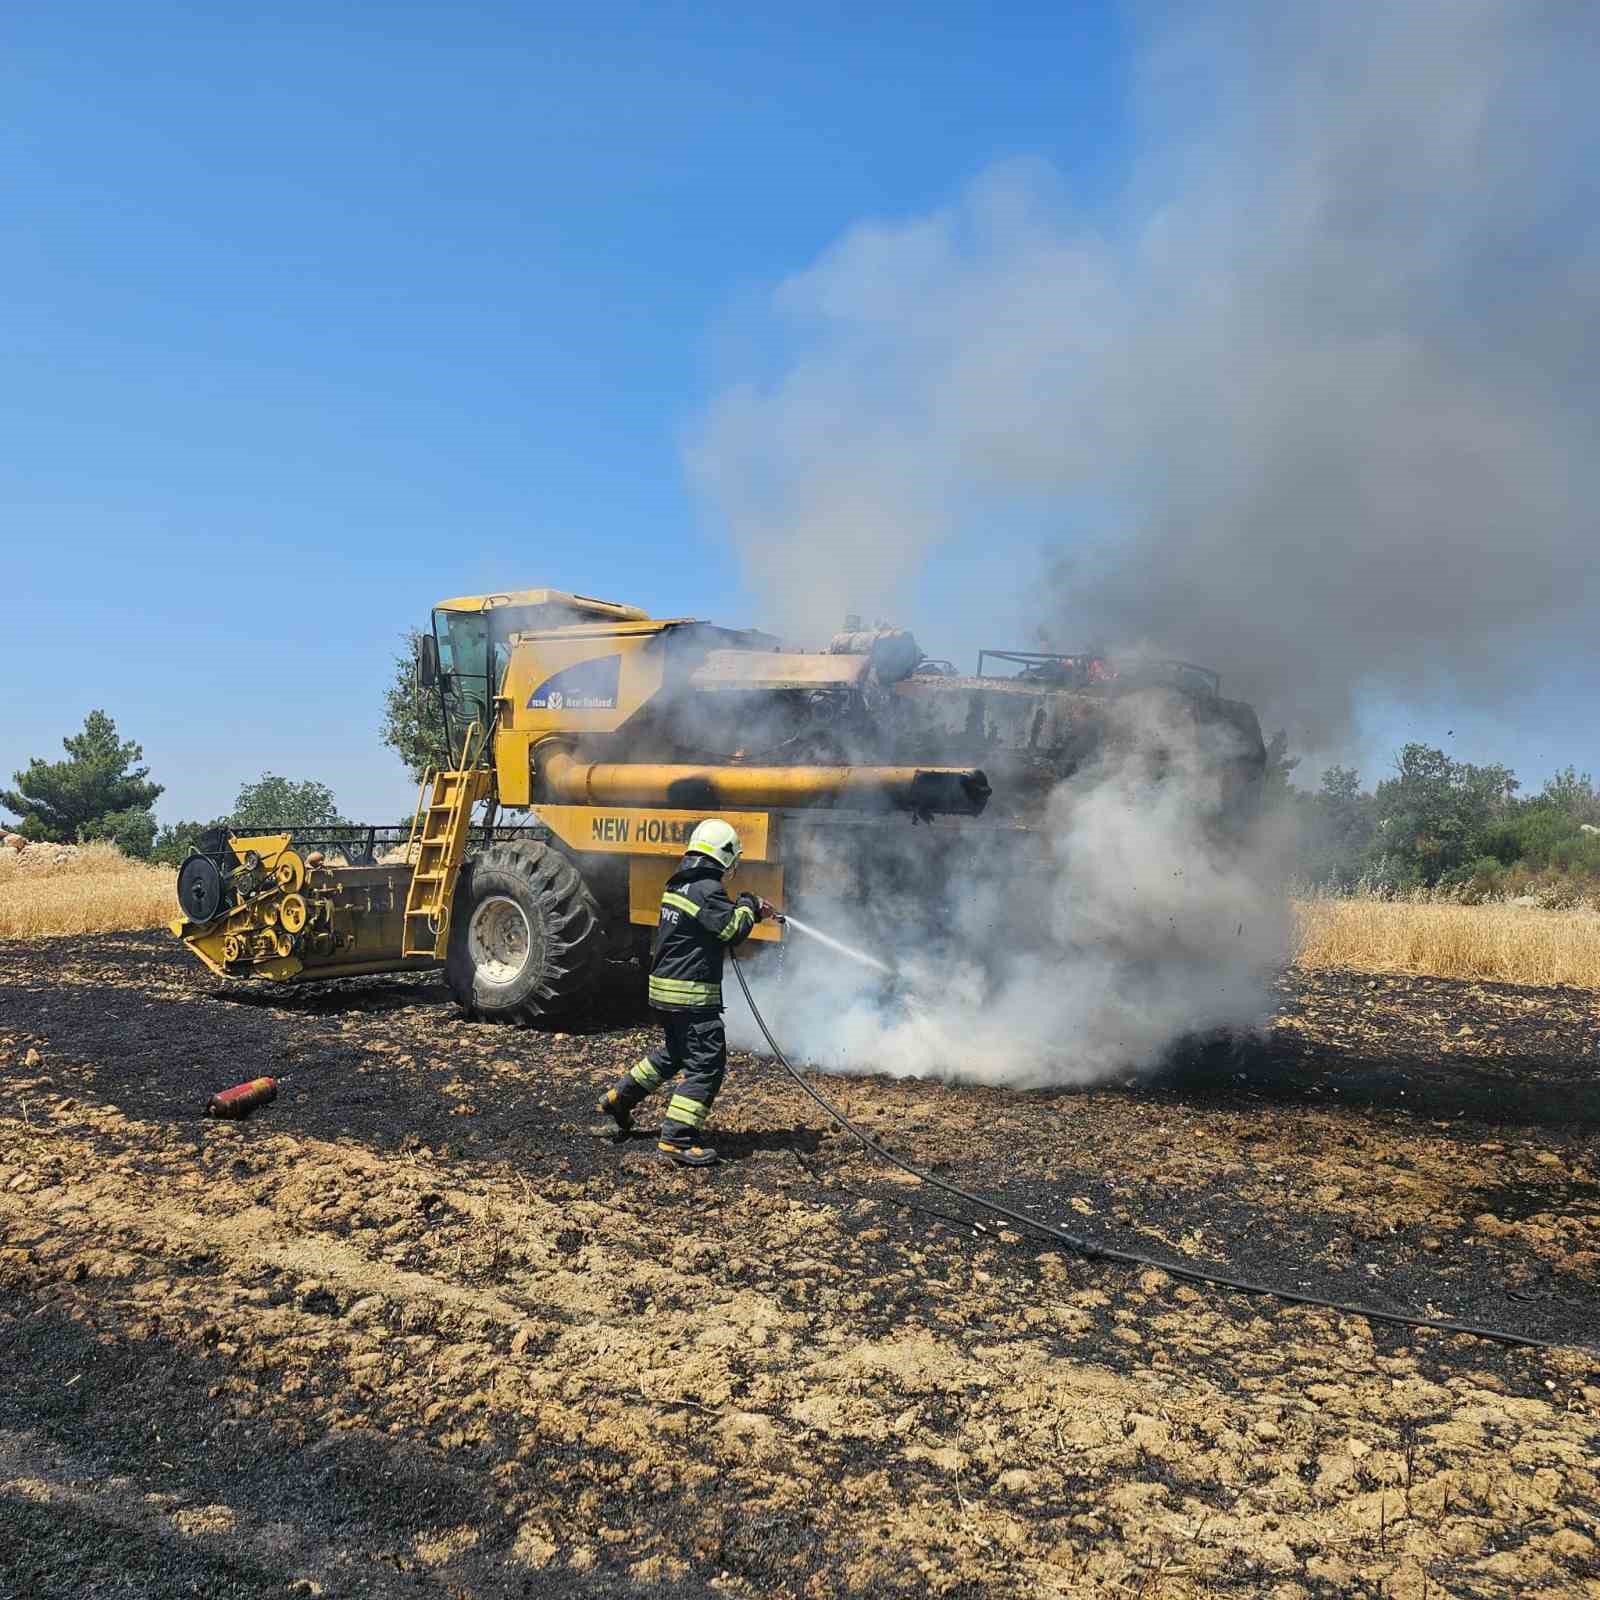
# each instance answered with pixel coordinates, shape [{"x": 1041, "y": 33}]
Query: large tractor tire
[{"x": 526, "y": 935}]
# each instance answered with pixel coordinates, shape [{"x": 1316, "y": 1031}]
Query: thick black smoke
[{"x": 1319, "y": 405}]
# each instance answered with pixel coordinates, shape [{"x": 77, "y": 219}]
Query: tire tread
[{"x": 574, "y": 932}]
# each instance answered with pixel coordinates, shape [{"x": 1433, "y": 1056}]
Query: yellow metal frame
[
  {"x": 440, "y": 848},
  {"x": 560, "y": 600},
  {"x": 539, "y": 657}
]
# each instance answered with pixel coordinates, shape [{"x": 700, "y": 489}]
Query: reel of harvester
[{"x": 254, "y": 907}]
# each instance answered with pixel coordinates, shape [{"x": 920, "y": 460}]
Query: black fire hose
[{"x": 1132, "y": 1258}]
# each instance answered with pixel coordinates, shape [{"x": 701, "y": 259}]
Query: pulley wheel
[
  {"x": 290, "y": 871},
  {"x": 292, "y": 913},
  {"x": 200, "y": 888}
]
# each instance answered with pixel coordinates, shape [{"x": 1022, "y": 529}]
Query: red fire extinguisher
[{"x": 242, "y": 1098}]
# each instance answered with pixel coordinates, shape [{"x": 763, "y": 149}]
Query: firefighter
[{"x": 698, "y": 925}]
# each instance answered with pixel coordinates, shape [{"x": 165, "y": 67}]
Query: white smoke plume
[
  {"x": 1128, "y": 922},
  {"x": 1313, "y": 403}
]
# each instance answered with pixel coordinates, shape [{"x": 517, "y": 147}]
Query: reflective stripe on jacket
[{"x": 698, "y": 925}]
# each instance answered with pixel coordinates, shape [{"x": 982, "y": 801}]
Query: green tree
[
  {"x": 1277, "y": 787},
  {"x": 101, "y": 780},
  {"x": 176, "y": 839},
  {"x": 132, "y": 831},
  {"x": 1573, "y": 793},
  {"x": 1433, "y": 815},
  {"x": 412, "y": 725},
  {"x": 272, "y": 801},
  {"x": 1338, "y": 827}
]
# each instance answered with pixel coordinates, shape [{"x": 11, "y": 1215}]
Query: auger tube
[{"x": 928, "y": 791}]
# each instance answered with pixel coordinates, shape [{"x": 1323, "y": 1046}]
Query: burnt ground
[{"x": 413, "y": 1330}]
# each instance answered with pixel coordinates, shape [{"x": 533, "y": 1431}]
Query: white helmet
[{"x": 716, "y": 839}]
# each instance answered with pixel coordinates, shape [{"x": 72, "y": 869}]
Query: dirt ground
[{"x": 414, "y": 1330}]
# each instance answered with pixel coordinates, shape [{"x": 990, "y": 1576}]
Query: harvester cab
[{"x": 613, "y": 734}]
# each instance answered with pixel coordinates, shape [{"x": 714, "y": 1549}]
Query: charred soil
[{"x": 413, "y": 1329}]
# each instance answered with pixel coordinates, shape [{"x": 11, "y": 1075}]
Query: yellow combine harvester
[{"x": 616, "y": 733}]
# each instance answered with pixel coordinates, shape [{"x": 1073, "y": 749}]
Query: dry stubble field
[{"x": 413, "y": 1330}]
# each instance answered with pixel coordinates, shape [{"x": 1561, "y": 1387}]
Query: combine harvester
[{"x": 615, "y": 733}]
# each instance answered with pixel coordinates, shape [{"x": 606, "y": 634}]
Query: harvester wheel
[{"x": 525, "y": 934}]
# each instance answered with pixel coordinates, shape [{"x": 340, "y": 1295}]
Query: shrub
[{"x": 132, "y": 831}]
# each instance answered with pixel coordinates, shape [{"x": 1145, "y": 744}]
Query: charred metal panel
[{"x": 777, "y": 672}]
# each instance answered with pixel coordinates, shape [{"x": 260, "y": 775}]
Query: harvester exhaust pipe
[{"x": 926, "y": 791}]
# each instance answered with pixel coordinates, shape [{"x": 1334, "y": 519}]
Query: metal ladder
[{"x": 439, "y": 832}]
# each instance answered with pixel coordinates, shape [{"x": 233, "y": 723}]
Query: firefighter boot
[
  {"x": 620, "y": 1114},
  {"x": 686, "y": 1118},
  {"x": 688, "y": 1155},
  {"x": 619, "y": 1102}
]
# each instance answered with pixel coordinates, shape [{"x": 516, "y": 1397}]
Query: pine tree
[{"x": 100, "y": 791}]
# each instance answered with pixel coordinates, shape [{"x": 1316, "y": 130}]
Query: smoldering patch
[{"x": 1132, "y": 923}]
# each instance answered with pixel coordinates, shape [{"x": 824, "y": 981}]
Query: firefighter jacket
[{"x": 699, "y": 924}]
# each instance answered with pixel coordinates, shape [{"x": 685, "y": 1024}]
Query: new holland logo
[{"x": 588, "y": 686}]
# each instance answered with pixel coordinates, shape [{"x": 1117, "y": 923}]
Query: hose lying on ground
[{"x": 1132, "y": 1258}]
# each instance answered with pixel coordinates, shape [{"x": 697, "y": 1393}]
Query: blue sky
[{"x": 312, "y": 315}]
